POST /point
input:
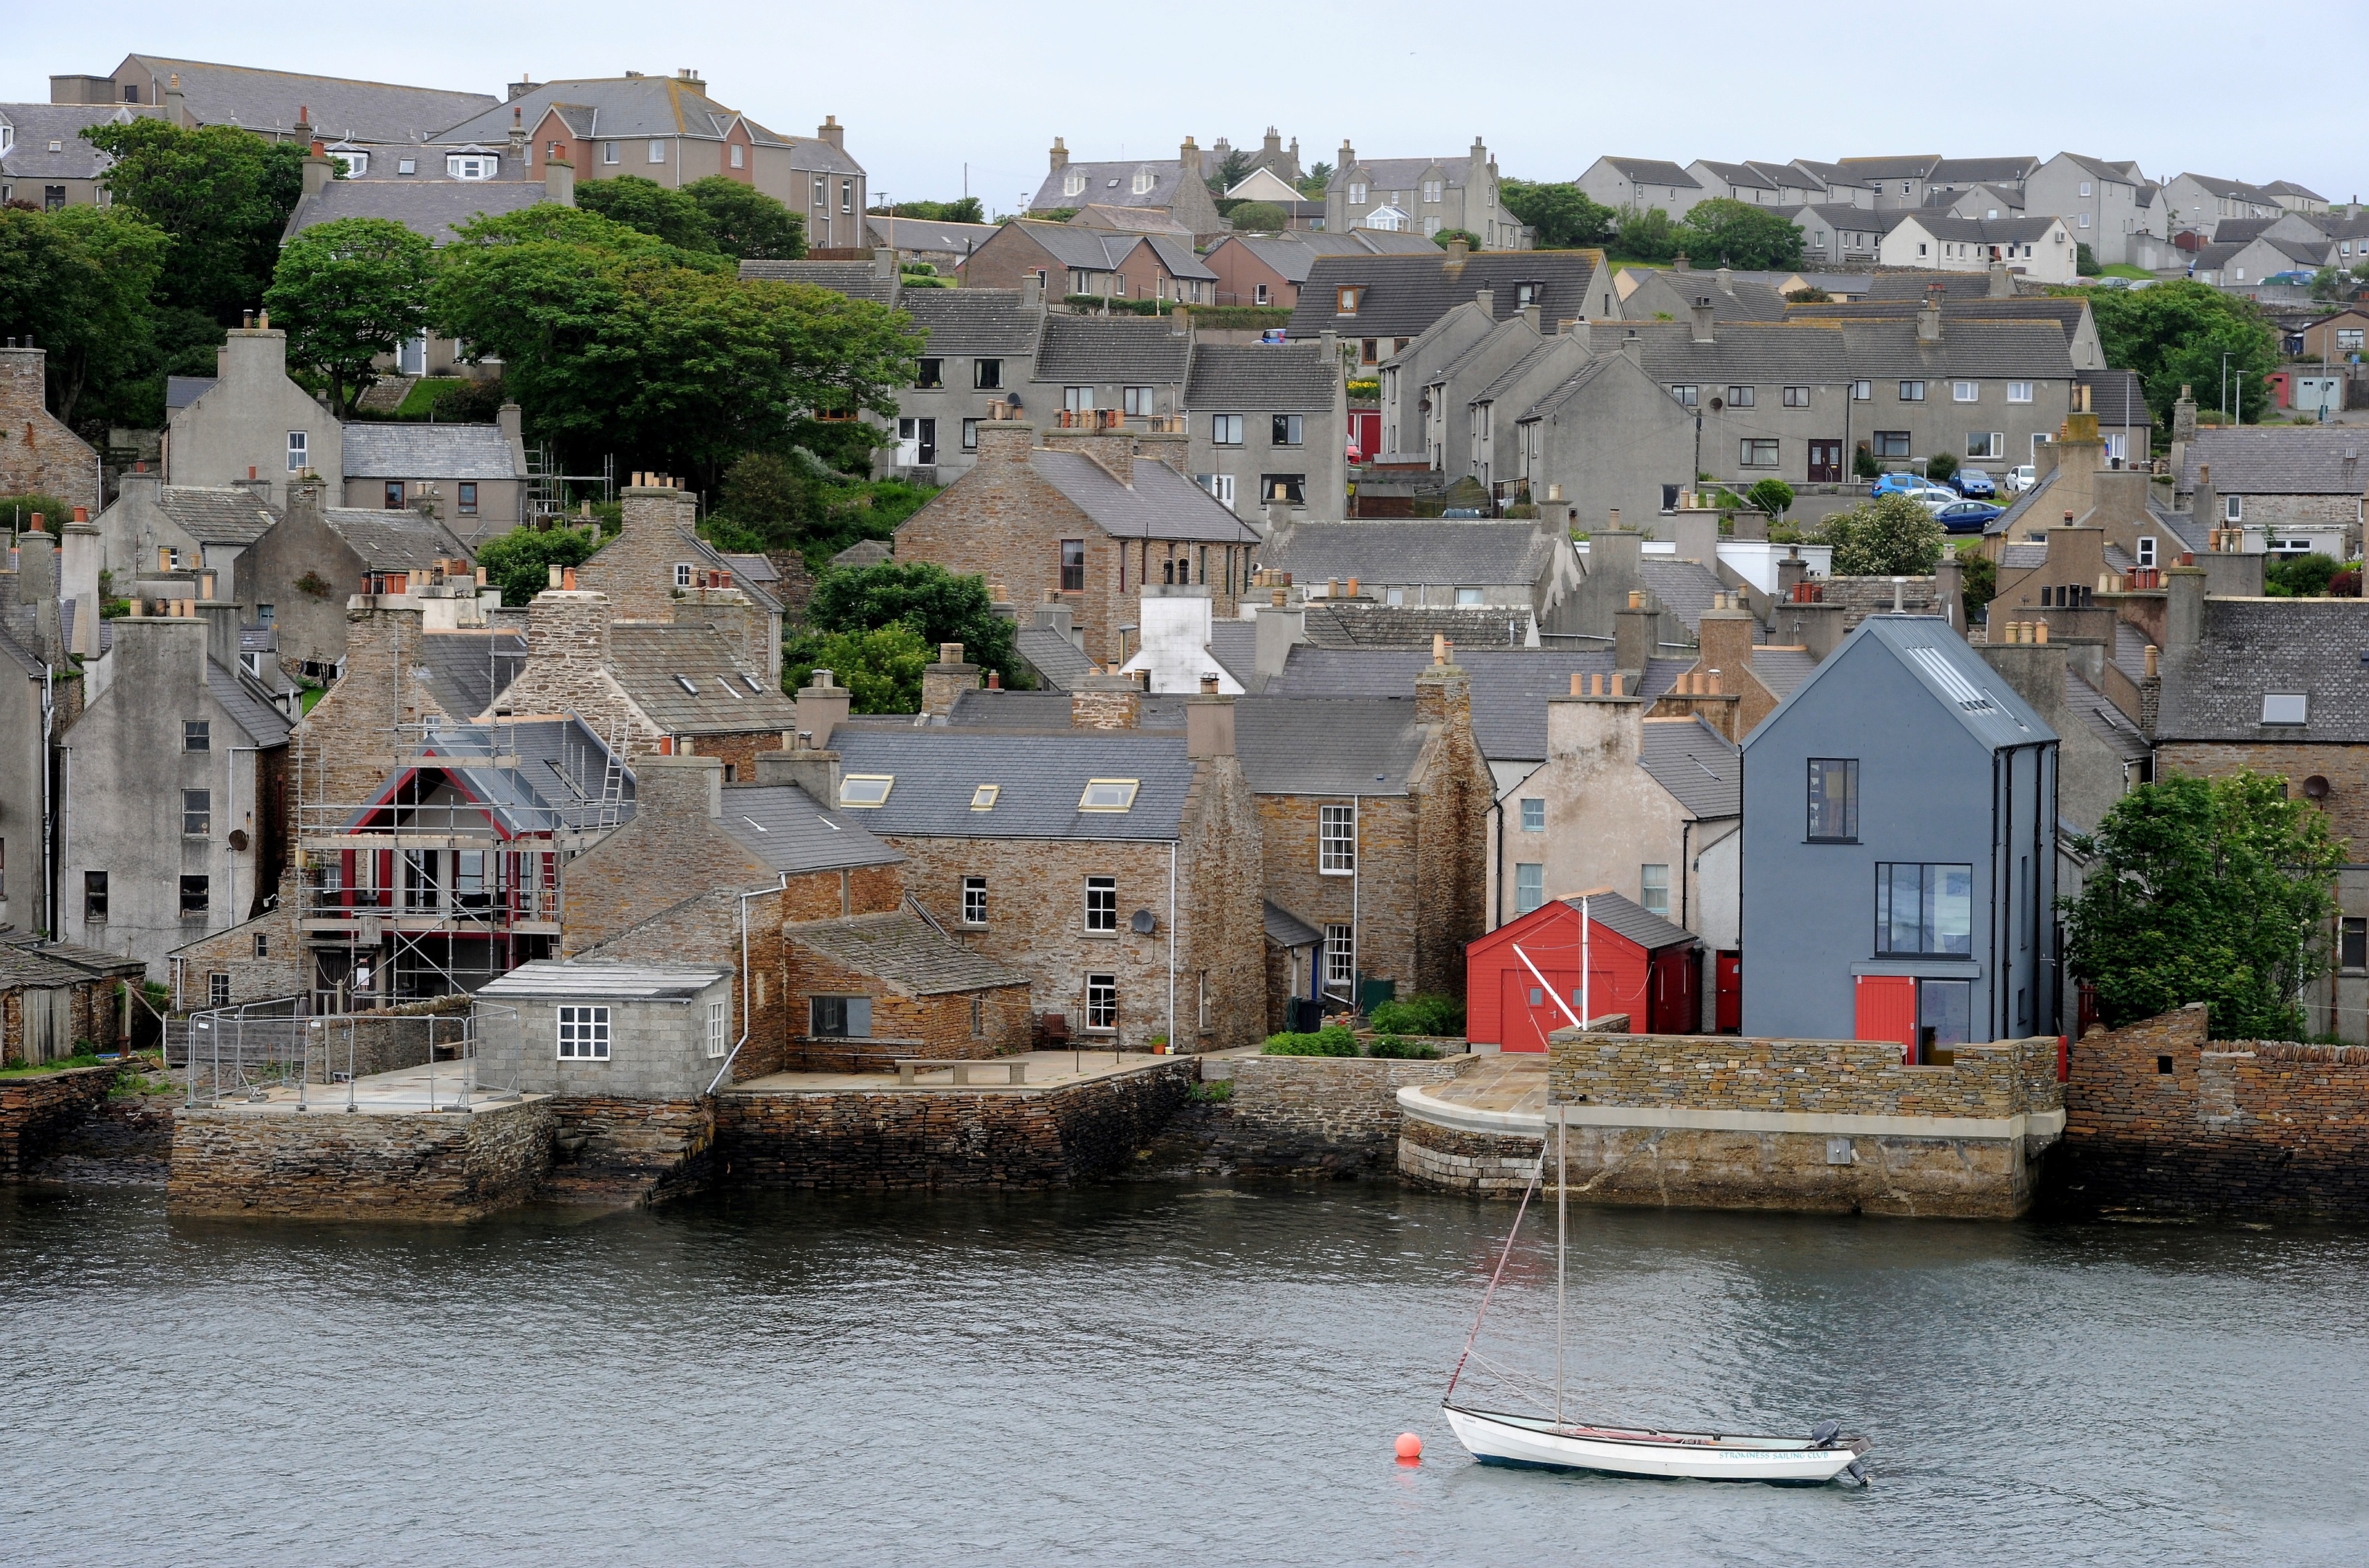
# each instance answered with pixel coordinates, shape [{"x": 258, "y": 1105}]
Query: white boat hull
[{"x": 1494, "y": 1437}]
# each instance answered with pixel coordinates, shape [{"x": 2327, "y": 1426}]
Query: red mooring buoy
[{"x": 1410, "y": 1448}]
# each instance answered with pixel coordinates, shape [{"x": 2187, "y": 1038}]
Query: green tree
[
  {"x": 1560, "y": 212},
  {"x": 1863, "y": 462},
  {"x": 1648, "y": 235},
  {"x": 966, "y": 211},
  {"x": 520, "y": 562},
  {"x": 1472, "y": 241},
  {"x": 2175, "y": 334},
  {"x": 221, "y": 194},
  {"x": 617, "y": 341},
  {"x": 2300, "y": 576},
  {"x": 939, "y": 606},
  {"x": 1772, "y": 496},
  {"x": 17, "y": 511},
  {"x": 1312, "y": 183},
  {"x": 1258, "y": 217},
  {"x": 1940, "y": 466},
  {"x": 1885, "y": 536},
  {"x": 779, "y": 501},
  {"x": 346, "y": 292},
  {"x": 1234, "y": 168},
  {"x": 1980, "y": 575},
  {"x": 1726, "y": 233},
  {"x": 2085, "y": 260},
  {"x": 1807, "y": 294},
  {"x": 880, "y": 668},
  {"x": 78, "y": 282},
  {"x": 656, "y": 209},
  {"x": 745, "y": 223},
  {"x": 2212, "y": 890}
]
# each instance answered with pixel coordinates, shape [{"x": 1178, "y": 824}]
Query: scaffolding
[
  {"x": 547, "y": 486},
  {"x": 273, "y": 1052}
]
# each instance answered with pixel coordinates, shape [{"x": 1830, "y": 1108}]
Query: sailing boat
[{"x": 1556, "y": 1442}]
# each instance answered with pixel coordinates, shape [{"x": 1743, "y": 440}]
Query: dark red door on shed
[{"x": 1728, "y": 994}]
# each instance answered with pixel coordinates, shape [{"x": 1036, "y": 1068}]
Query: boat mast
[{"x": 1562, "y": 1181}]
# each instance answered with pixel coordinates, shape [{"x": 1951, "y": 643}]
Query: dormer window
[
  {"x": 865, "y": 791},
  {"x": 356, "y": 165},
  {"x": 1143, "y": 182},
  {"x": 1345, "y": 301},
  {"x": 471, "y": 165},
  {"x": 1073, "y": 183}
]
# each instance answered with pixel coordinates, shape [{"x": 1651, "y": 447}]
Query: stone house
[
  {"x": 1381, "y": 303},
  {"x": 271, "y": 104},
  {"x": 1647, "y": 808},
  {"x": 1423, "y": 196},
  {"x": 1269, "y": 423},
  {"x": 297, "y": 576},
  {"x": 1118, "y": 869},
  {"x": 471, "y": 478},
  {"x": 38, "y": 454},
  {"x": 2298, "y": 486},
  {"x": 658, "y": 569},
  {"x": 1086, "y": 520},
  {"x": 250, "y": 422},
  {"x": 1269, "y": 269},
  {"x": 176, "y": 820},
  {"x": 666, "y": 687},
  {"x": 59, "y": 999},
  {"x": 1175, "y": 188},
  {"x": 1430, "y": 561},
  {"x": 1078, "y": 260},
  {"x": 1901, "y": 804},
  {"x": 158, "y": 535}
]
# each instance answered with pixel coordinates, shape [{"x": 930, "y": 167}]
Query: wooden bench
[{"x": 1015, "y": 1070}]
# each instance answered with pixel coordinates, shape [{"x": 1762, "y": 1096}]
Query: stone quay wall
[
  {"x": 2159, "y": 1116},
  {"x": 39, "y": 1111},
  {"x": 898, "y": 1140},
  {"x": 1476, "y": 1163},
  {"x": 628, "y": 1151},
  {"x": 1705, "y": 1072},
  {"x": 1321, "y": 1115},
  {"x": 279, "y": 1164}
]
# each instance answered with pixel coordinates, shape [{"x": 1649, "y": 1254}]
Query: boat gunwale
[{"x": 1661, "y": 1440}]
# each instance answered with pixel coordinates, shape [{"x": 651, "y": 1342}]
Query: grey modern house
[{"x": 1899, "y": 850}]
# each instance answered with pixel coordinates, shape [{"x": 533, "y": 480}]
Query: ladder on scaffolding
[{"x": 611, "y": 809}]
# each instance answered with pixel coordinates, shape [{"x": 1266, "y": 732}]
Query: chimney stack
[
  {"x": 945, "y": 679},
  {"x": 823, "y": 706},
  {"x": 1208, "y": 723},
  {"x": 1701, "y": 312},
  {"x": 1929, "y": 316}
]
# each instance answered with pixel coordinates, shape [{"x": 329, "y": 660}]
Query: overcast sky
[{"x": 925, "y": 88}]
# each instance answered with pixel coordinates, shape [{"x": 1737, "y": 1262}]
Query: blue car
[
  {"x": 1896, "y": 483},
  {"x": 1974, "y": 483},
  {"x": 1966, "y": 517}
]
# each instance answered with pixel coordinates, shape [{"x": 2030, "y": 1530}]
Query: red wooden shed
[{"x": 1638, "y": 964}]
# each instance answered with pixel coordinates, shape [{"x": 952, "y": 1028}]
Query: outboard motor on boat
[{"x": 1823, "y": 1434}]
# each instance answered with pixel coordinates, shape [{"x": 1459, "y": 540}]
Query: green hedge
[
  {"x": 1335, "y": 1041},
  {"x": 1430, "y": 1014},
  {"x": 1403, "y": 1050}
]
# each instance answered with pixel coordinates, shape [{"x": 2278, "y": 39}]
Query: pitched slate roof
[
  {"x": 429, "y": 451},
  {"x": 1127, "y": 220},
  {"x": 616, "y": 106},
  {"x": 1661, "y": 289},
  {"x": 2064, "y": 310},
  {"x": 1406, "y": 174},
  {"x": 1510, "y": 686},
  {"x": 226, "y": 516},
  {"x": 35, "y": 125},
  {"x": 394, "y": 541},
  {"x": 1358, "y": 622},
  {"x": 1805, "y": 352},
  {"x": 2281, "y": 460},
  {"x": 1915, "y": 282},
  {"x": 248, "y": 705},
  {"x": 654, "y": 662},
  {"x": 1405, "y": 294},
  {"x": 1445, "y": 553},
  {"x": 1176, "y": 253},
  {"x": 1884, "y": 349},
  {"x": 1333, "y": 746},
  {"x": 467, "y": 668},
  {"x": 1040, "y": 778},
  {"x": 1160, "y": 504},
  {"x": 1743, "y": 175},
  {"x": 2251, "y": 647},
  {"x": 1961, "y": 682},
  {"x": 2117, "y": 398},
  {"x": 910, "y": 955},
  {"x": 1909, "y": 166},
  {"x": 1288, "y": 929},
  {"x": 1780, "y": 668},
  {"x": 1113, "y": 184},
  {"x": 784, "y": 828},
  {"x": 2102, "y": 719},
  {"x": 973, "y": 321},
  {"x": 1984, "y": 171},
  {"x": 1571, "y": 386},
  {"x": 856, "y": 280},
  {"x": 1654, "y": 171},
  {"x": 266, "y": 100},
  {"x": 926, "y": 234},
  {"x": 1057, "y": 660},
  {"x": 1282, "y": 254},
  {"x": 1685, "y": 588},
  {"x": 1262, "y": 378},
  {"x": 434, "y": 210},
  {"x": 1625, "y": 917},
  {"x": 1702, "y": 769},
  {"x": 1514, "y": 375},
  {"x": 181, "y": 390},
  {"x": 1142, "y": 349}
]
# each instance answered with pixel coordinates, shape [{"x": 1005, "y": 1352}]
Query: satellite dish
[
  {"x": 2316, "y": 787},
  {"x": 1142, "y": 923},
  {"x": 238, "y": 839},
  {"x": 1717, "y": 404}
]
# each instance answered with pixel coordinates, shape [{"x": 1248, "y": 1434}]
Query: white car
[
  {"x": 2018, "y": 480},
  {"x": 1932, "y": 497}
]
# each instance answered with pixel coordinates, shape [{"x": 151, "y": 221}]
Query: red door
[
  {"x": 1887, "y": 1010},
  {"x": 1729, "y": 1004},
  {"x": 1528, "y": 1015}
]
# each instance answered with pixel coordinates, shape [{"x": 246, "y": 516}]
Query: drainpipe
[
  {"x": 1356, "y": 876},
  {"x": 1171, "y": 947},
  {"x": 734, "y": 1054}
]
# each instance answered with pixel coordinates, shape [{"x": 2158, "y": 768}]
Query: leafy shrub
[
  {"x": 1215, "y": 1091},
  {"x": 1427, "y": 1015},
  {"x": 1397, "y": 1049},
  {"x": 1885, "y": 536},
  {"x": 1332, "y": 1041},
  {"x": 17, "y": 512},
  {"x": 1940, "y": 465},
  {"x": 1258, "y": 217},
  {"x": 470, "y": 402},
  {"x": 2299, "y": 577},
  {"x": 1864, "y": 464},
  {"x": 1771, "y": 496},
  {"x": 1443, "y": 238}
]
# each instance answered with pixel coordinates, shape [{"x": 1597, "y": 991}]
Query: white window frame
[
  {"x": 471, "y": 166},
  {"x": 974, "y": 900},
  {"x": 2233, "y": 509},
  {"x": 1073, "y": 183},
  {"x": 1529, "y": 886},
  {"x": 2019, "y": 392},
  {"x": 1340, "y": 955},
  {"x": 1966, "y": 391},
  {"x": 1646, "y": 889},
  {"x": 739, "y": 155},
  {"x": 582, "y": 1033},
  {"x": 682, "y": 573},
  {"x": 1533, "y": 814},
  {"x": 1862, "y": 392},
  {"x": 300, "y": 450},
  {"x": 1102, "y": 1004},
  {"x": 717, "y": 1032},
  {"x": 608, "y": 152},
  {"x": 1336, "y": 840},
  {"x": 656, "y": 153},
  {"x": 1101, "y": 906},
  {"x": 2145, "y": 542}
]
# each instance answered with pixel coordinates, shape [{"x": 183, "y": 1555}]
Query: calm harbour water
[{"x": 1154, "y": 1374}]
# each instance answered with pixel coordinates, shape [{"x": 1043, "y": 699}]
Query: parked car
[
  {"x": 2295, "y": 280},
  {"x": 1974, "y": 482},
  {"x": 1966, "y": 517},
  {"x": 2021, "y": 479},
  {"x": 1896, "y": 483}
]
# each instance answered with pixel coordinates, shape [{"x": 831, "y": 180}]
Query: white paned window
[
  {"x": 739, "y": 155},
  {"x": 1654, "y": 890},
  {"x": 716, "y": 1041},
  {"x": 1102, "y": 1002},
  {"x": 1530, "y": 887},
  {"x": 1965, "y": 391},
  {"x": 657, "y": 152},
  {"x": 974, "y": 908},
  {"x": 1226, "y": 430},
  {"x": 1340, "y": 955},
  {"x": 584, "y": 1033},
  {"x": 1102, "y": 904},
  {"x": 299, "y": 451},
  {"x": 1337, "y": 854},
  {"x": 2019, "y": 392}
]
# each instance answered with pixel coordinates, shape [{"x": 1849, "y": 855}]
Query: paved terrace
[{"x": 404, "y": 1092}]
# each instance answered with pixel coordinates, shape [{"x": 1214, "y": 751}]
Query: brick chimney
[
  {"x": 943, "y": 681},
  {"x": 1005, "y": 443},
  {"x": 1114, "y": 449},
  {"x": 1106, "y": 702},
  {"x": 823, "y": 706},
  {"x": 1723, "y": 641},
  {"x": 1701, "y": 312},
  {"x": 670, "y": 787},
  {"x": 832, "y": 132},
  {"x": 318, "y": 171}
]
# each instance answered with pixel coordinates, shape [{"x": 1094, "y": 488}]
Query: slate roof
[
  {"x": 652, "y": 662},
  {"x": 1661, "y": 289},
  {"x": 618, "y": 108},
  {"x": 1140, "y": 349},
  {"x": 1914, "y": 283},
  {"x": 1329, "y": 746},
  {"x": 1759, "y": 352},
  {"x": 1702, "y": 769},
  {"x": 394, "y": 541},
  {"x": 1405, "y": 294},
  {"x": 1113, "y": 184},
  {"x": 429, "y": 451},
  {"x": 1177, "y": 254},
  {"x": 1885, "y": 349},
  {"x": 1780, "y": 668},
  {"x": 1277, "y": 378},
  {"x": 27, "y": 960},
  {"x": 1088, "y": 250},
  {"x": 1510, "y": 686},
  {"x": 1961, "y": 682},
  {"x": 1625, "y": 917},
  {"x": 1685, "y": 588},
  {"x": 1520, "y": 371},
  {"x": 248, "y": 704},
  {"x": 756, "y": 568},
  {"x": 434, "y": 210},
  {"x": 266, "y": 100},
  {"x": 37, "y": 125},
  {"x": 210, "y": 516},
  {"x": 1445, "y": 553},
  {"x": 2117, "y": 398},
  {"x": 181, "y": 390},
  {"x": 927, "y": 233},
  {"x": 2101, "y": 168},
  {"x": 607, "y": 980},
  {"x": 907, "y": 953},
  {"x": 2213, "y": 690},
  {"x": 1288, "y": 929},
  {"x": 1558, "y": 396},
  {"x": 1911, "y": 165},
  {"x": 973, "y": 321},
  {"x": 2036, "y": 496},
  {"x": 784, "y": 828},
  {"x": 1287, "y": 257},
  {"x": 2064, "y": 310},
  {"x": 1041, "y": 777},
  {"x": 1234, "y": 644},
  {"x": 2281, "y": 460},
  {"x": 856, "y": 280},
  {"x": 1406, "y": 174},
  {"x": 1127, "y": 220},
  {"x": 467, "y": 670},
  {"x": 1742, "y": 175},
  {"x": 1056, "y": 659},
  {"x": 1357, "y": 623},
  {"x": 2102, "y": 719},
  {"x": 1984, "y": 171},
  {"x": 1160, "y": 504},
  {"x": 1654, "y": 171}
]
